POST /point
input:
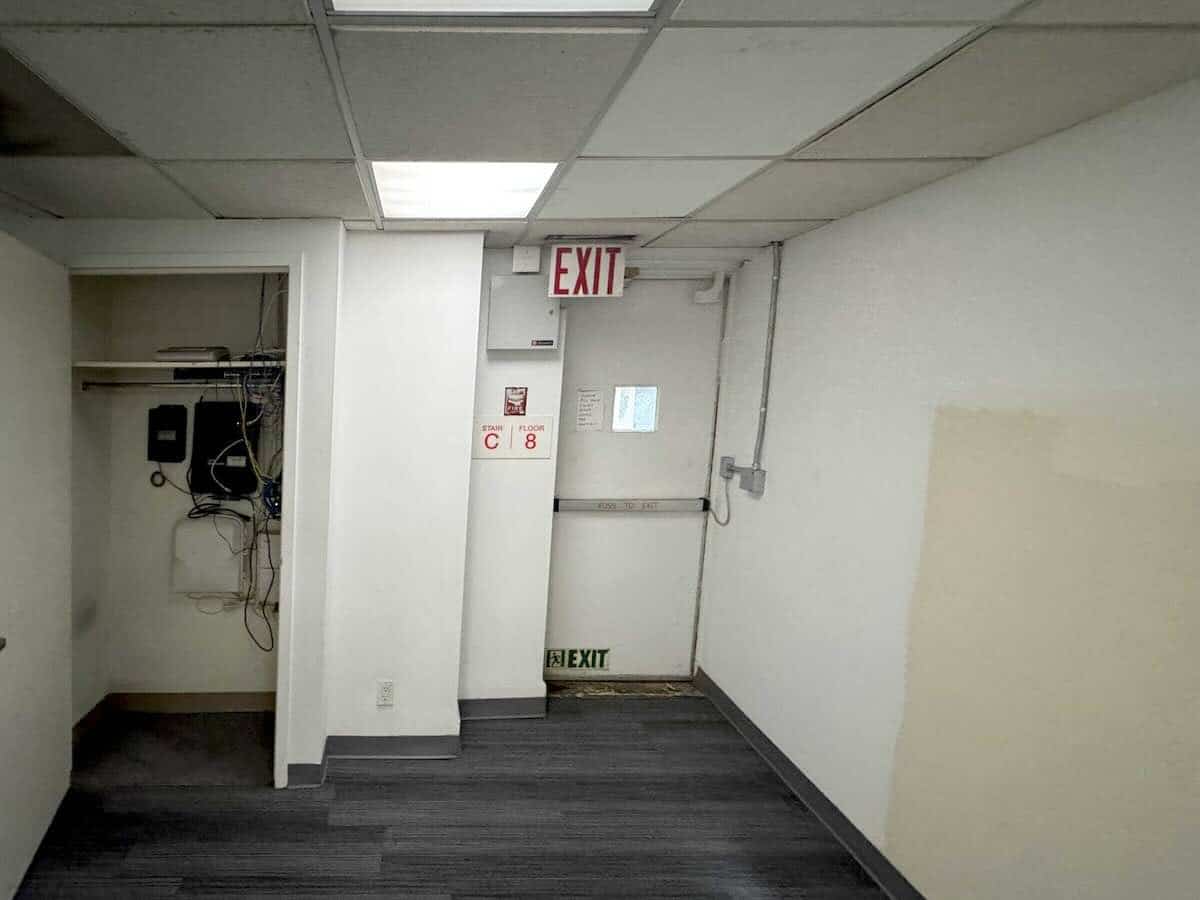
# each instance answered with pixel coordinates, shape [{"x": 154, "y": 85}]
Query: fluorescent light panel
[
  {"x": 491, "y": 7},
  {"x": 460, "y": 190}
]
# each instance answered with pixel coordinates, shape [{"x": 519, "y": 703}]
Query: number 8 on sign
[
  {"x": 533, "y": 439},
  {"x": 503, "y": 439}
]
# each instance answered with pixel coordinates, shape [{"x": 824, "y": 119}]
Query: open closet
[{"x": 177, "y": 463}]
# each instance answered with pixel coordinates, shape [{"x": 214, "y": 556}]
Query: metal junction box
[{"x": 520, "y": 315}]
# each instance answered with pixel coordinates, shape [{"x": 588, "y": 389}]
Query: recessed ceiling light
[
  {"x": 491, "y": 7},
  {"x": 460, "y": 190}
]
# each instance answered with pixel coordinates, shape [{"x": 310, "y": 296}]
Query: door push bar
[{"x": 699, "y": 504}]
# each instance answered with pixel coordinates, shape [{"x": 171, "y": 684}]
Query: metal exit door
[{"x": 624, "y": 577}]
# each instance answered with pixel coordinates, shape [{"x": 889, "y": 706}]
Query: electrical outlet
[{"x": 385, "y": 694}]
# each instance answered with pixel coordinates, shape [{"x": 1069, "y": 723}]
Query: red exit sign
[{"x": 587, "y": 270}]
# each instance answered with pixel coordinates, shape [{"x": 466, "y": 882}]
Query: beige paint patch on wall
[{"x": 1051, "y": 732}]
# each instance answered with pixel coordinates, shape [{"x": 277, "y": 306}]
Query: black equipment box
[
  {"x": 220, "y": 458},
  {"x": 166, "y": 437}
]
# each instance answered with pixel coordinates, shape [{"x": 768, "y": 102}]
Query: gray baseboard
[
  {"x": 894, "y": 884},
  {"x": 350, "y": 746},
  {"x": 502, "y": 708},
  {"x": 183, "y": 702}
]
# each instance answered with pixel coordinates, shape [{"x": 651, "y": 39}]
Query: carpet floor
[
  {"x": 606, "y": 797},
  {"x": 127, "y": 749}
]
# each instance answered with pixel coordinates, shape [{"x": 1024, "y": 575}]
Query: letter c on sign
[{"x": 491, "y": 440}]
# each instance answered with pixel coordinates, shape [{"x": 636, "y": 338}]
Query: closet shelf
[{"x": 156, "y": 364}]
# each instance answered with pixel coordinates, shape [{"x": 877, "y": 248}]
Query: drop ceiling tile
[
  {"x": 153, "y": 12},
  {"x": 1013, "y": 86},
  {"x": 734, "y": 234},
  {"x": 642, "y": 230},
  {"x": 14, "y": 207},
  {"x": 642, "y": 188},
  {"x": 826, "y": 189},
  {"x": 844, "y": 10},
  {"x": 196, "y": 93},
  {"x": 35, "y": 121},
  {"x": 1111, "y": 12},
  {"x": 754, "y": 91},
  {"x": 275, "y": 190},
  {"x": 499, "y": 234},
  {"x": 96, "y": 188},
  {"x": 491, "y": 96}
]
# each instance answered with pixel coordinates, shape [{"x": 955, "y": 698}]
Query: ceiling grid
[
  {"x": 687, "y": 126},
  {"x": 24, "y": 193},
  {"x": 362, "y": 166},
  {"x": 662, "y": 15}
]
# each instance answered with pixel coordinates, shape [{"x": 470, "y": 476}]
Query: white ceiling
[
  {"x": 1112, "y": 12},
  {"x": 827, "y": 190},
  {"x": 96, "y": 188},
  {"x": 754, "y": 91},
  {"x": 642, "y": 188},
  {"x": 1013, "y": 86},
  {"x": 154, "y": 12},
  {"x": 709, "y": 124},
  {"x": 196, "y": 93},
  {"x": 522, "y": 97},
  {"x": 14, "y": 208},
  {"x": 973, "y": 11},
  {"x": 301, "y": 189}
]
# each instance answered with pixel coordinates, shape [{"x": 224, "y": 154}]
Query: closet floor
[{"x": 130, "y": 749}]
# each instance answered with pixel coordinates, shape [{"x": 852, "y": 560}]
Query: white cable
[
  {"x": 212, "y": 466},
  {"x": 728, "y": 509},
  {"x": 242, "y": 405},
  {"x": 228, "y": 543}
]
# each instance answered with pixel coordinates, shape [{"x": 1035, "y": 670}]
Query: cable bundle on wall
[{"x": 259, "y": 397}]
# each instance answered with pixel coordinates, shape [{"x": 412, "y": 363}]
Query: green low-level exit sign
[{"x": 577, "y": 658}]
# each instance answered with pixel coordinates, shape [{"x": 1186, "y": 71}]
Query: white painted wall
[
  {"x": 35, "y": 552},
  {"x": 509, "y": 524},
  {"x": 91, "y": 430},
  {"x": 1060, "y": 276},
  {"x": 405, "y": 395},
  {"x": 314, "y": 249},
  {"x": 154, "y": 640},
  {"x": 627, "y": 582}
]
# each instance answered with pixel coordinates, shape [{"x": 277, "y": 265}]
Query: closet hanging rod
[
  {"x": 169, "y": 385},
  {"x": 222, "y": 364}
]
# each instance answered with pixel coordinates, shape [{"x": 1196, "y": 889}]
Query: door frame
[
  {"x": 242, "y": 263},
  {"x": 684, "y": 267}
]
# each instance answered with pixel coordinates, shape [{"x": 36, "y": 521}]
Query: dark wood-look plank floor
[{"x": 606, "y": 797}]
